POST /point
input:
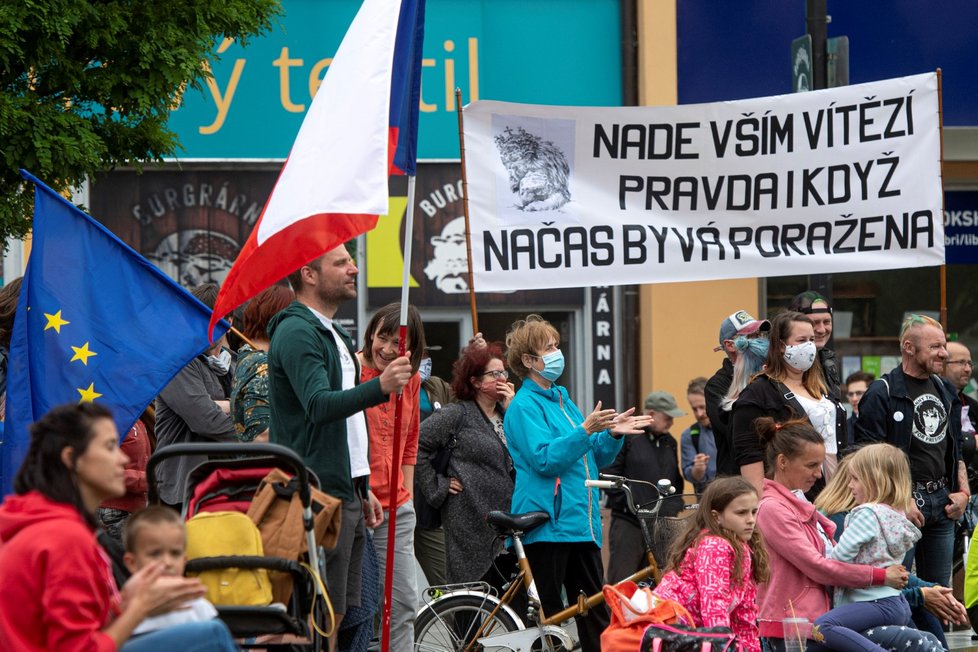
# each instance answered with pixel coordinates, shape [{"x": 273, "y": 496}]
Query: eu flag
[{"x": 95, "y": 322}]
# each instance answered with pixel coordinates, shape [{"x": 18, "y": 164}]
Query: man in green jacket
[{"x": 317, "y": 406}]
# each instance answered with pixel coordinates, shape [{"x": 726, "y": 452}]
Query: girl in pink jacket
[{"x": 715, "y": 566}]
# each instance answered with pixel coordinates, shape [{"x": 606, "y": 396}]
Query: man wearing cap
[
  {"x": 739, "y": 323},
  {"x": 816, "y": 307},
  {"x": 650, "y": 457}
]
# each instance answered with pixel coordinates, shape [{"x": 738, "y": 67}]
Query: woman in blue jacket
[{"x": 555, "y": 449}]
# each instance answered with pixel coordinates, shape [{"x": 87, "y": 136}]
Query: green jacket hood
[{"x": 294, "y": 309}]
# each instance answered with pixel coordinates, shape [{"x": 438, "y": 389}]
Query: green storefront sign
[{"x": 545, "y": 52}]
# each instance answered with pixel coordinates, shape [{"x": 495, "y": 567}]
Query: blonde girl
[
  {"x": 715, "y": 566},
  {"x": 877, "y": 533}
]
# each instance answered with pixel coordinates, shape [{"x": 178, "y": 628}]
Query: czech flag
[{"x": 361, "y": 127}]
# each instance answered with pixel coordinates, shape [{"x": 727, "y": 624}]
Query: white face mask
[
  {"x": 800, "y": 356},
  {"x": 220, "y": 363}
]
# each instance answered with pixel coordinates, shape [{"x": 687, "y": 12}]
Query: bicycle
[{"x": 470, "y": 617}]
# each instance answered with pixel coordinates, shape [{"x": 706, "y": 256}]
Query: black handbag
[
  {"x": 429, "y": 517},
  {"x": 444, "y": 455},
  {"x": 679, "y": 638}
]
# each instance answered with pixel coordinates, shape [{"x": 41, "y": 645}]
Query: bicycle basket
[{"x": 664, "y": 530}]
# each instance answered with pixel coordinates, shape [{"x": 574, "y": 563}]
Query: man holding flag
[
  {"x": 317, "y": 407},
  {"x": 361, "y": 126}
]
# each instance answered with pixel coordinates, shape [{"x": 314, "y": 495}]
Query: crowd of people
[{"x": 817, "y": 496}]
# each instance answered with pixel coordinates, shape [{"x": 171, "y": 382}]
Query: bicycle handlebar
[{"x": 663, "y": 488}]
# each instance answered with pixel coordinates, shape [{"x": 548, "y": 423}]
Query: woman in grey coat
[{"x": 479, "y": 477}]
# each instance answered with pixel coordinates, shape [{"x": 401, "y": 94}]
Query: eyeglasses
[
  {"x": 967, "y": 363},
  {"x": 498, "y": 375}
]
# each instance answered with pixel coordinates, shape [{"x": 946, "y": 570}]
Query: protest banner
[{"x": 837, "y": 180}]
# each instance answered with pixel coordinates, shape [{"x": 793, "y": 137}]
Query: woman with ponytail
[
  {"x": 798, "y": 538},
  {"x": 751, "y": 354}
]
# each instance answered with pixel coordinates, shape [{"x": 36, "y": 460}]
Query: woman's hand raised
[
  {"x": 626, "y": 424},
  {"x": 506, "y": 391},
  {"x": 599, "y": 420}
]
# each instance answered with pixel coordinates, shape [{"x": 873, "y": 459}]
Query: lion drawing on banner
[{"x": 537, "y": 170}]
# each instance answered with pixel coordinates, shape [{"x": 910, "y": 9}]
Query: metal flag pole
[{"x": 385, "y": 641}]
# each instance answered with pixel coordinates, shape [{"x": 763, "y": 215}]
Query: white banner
[{"x": 839, "y": 180}]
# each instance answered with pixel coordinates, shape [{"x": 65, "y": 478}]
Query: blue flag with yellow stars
[{"x": 95, "y": 322}]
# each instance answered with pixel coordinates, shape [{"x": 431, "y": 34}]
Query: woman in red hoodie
[{"x": 58, "y": 591}]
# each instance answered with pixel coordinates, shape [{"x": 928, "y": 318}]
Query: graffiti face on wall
[
  {"x": 195, "y": 256},
  {"x": 191, "y": 223}
]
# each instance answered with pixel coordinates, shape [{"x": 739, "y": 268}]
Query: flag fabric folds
[
  {"x": 360, "y": 127},
  {"x": 95, "y": 322}
]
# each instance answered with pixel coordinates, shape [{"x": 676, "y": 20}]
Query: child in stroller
[{"x": 228, "y": 483}]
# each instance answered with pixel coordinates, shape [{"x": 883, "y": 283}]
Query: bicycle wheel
[{"x": 449, "y": 623}]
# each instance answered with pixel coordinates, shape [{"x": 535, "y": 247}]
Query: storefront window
[{"x": 869, "y": 308}]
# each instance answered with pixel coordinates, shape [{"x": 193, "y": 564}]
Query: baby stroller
[{"x": 227, "y": 482}]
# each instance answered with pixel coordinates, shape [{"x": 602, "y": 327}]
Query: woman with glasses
[{"x": 478, "y": 476}]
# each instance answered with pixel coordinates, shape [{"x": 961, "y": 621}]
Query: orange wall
[{"x": 679, "y": 322}]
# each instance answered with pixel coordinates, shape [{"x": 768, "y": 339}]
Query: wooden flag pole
[
  {"x": 243, "y": 338},
  {"x": 465, "y": 211}
]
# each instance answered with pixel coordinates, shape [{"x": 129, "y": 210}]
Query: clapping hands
[{"x": 620, "y": 424}]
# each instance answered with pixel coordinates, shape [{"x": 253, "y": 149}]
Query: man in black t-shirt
[
  {"x": 915, "y": 409},
  {"x": 958, "y": 369}
]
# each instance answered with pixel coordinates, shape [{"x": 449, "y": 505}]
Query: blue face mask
[
  {"x": 553, "y": 365},
  {"x": 425, "y": 369}
]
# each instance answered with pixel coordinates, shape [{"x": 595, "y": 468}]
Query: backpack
[
  {"x": 276, "y": 510},
  {"x": 694, "y": 436},
  {"x": 219, "y": 534}
]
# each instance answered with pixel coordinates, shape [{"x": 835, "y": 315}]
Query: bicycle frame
[{"x": 524, "y": 578}]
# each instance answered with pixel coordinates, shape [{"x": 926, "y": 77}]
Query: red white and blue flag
[{"x": 361, "y": 127}]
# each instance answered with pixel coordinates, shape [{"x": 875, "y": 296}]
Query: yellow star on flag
[
  {"x": 88, "y": 395},
  {"x": 55, "y": 321},
  {"x": 82, "y": 353}
]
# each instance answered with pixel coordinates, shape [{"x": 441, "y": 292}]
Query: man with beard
[
  {"x": 916, "y": 410},
  {"x": 697, "y": 445},
  {"x": 957, "y": 369},
  {"x": 317, "y": 405}
]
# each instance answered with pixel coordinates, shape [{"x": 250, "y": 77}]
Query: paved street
[{"x": 961, "y": 641}]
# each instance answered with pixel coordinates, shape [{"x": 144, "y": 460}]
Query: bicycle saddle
[{"x": 507, "y": 524}]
